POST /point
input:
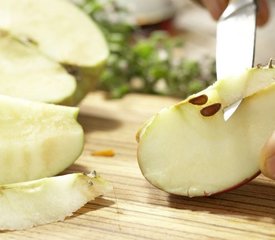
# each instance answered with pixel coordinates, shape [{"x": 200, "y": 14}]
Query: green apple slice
[
  {"x": 27, "y": 204},
  {"x": 26, "y": 73},
  {"x": 36, "y": 139},
  {"x": 65, "y": 34},
  {"x": 188, "y": 149}
]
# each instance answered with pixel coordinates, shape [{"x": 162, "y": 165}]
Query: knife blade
[{"x": 235, "y": 48}]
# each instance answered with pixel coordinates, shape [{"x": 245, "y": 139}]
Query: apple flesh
[
  {"x": 189, "y": 149},
  {"x": 37, "y": 139},
  {"x": 26, "y": 73},
  {"x": 65, "y": 35},
  {"x": 27, "y": 204}
]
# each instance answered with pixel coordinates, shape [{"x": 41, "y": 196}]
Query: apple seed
[
  {"x": 210, "y": 110},
  {"x": 199, "y": 100}
]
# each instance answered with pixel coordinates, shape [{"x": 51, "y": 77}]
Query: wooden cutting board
[{"x": 137, "y": 210}]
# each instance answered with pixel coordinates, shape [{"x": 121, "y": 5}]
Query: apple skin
[{"x": 245, "y": 181}]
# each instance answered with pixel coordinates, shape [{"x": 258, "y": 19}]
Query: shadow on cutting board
[
  {"x": 96, "y": 204},
  {"x": 91, "y": 123},
  {"x": 255, "y": 200}
]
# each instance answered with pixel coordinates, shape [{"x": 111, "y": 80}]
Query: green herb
[{"x": 140, "y": 63}]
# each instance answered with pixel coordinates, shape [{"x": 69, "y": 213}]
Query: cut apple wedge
[
  {"x": 37, "y": 139},
  {"x": 188, "y": 149},
  {"x": 26, "y": 73},
  {"x": 27, "y": 204},
  {"x": 65, "y": 34}
]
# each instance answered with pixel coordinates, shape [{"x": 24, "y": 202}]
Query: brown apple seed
[
  {"x": 210, "y": 110},
  {"x": 199, "y": 100}
]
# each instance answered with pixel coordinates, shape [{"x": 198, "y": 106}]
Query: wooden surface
[{"x": 137, "y": 210}]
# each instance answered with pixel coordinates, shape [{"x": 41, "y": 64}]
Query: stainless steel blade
[
  {"x": 236, "y": 33},
  {"x": 228, "y": 111}
]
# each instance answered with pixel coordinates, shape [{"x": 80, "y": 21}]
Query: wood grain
[{"x": 137, "y": 210}]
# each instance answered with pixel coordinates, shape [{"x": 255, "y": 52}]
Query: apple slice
[
  {"x": 26, "y": 73},
  {"x": 36, "y": 139},
  {"x": 65, "y": 34},
  {"x": 27, "y": 204},
  {"x": 188, "y": 149}
]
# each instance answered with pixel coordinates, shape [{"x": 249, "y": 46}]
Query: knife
[{"x": 235, "y": 49}]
